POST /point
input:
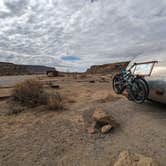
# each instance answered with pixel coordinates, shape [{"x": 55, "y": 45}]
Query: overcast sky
[{"x": 71, "y": 35}]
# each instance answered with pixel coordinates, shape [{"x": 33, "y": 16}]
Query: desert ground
[{"x": 38, "y": 136}]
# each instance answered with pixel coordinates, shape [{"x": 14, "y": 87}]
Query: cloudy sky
[{"x": 72, "y": 35}]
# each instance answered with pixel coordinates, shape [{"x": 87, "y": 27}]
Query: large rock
[
  {"x": 102, "y": 117},
  {"x": 131, "y": 159},
  {"x": 99, "y": 114}
]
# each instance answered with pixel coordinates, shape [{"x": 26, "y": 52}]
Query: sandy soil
[{"x": 41, "y": 137}]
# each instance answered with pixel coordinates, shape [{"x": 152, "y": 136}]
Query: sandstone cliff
[
  {"x": 14, "y": 69},
  {"x": 107, "y": 68}
]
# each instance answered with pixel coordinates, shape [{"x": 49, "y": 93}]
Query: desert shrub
[
  {"x": 29, "y": 92},
  {"x": 14, "y": 108},
  {"x": 83, "y": 76},
  {"x": 54, "y": 101}
]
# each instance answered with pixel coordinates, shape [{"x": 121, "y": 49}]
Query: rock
[
  {"x": 104, "y": 79},
  {"x": 105, "y": 129},
  {"x": 132, "y": 159},
  {"x": 99, "y": 114},
  {"x": 54, "y": 85},
  {"x": 107, "y": 68},
  {"x": 92, "y": 128},
  {"x": 103, "y": 118},
  {"x": 92, "y": 81}
]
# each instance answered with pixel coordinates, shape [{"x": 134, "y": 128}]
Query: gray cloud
[{"x": 44, "y": 31}]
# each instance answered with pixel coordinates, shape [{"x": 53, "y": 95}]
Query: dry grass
[
  {"x": 54, "y": 101},
  {"x": 31, "y": 93},
  {"x": 108, "y": 98},
  {"x": 83, "y": 76}
]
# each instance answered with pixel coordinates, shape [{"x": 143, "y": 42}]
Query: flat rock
[{"x": 133, "y": 159}]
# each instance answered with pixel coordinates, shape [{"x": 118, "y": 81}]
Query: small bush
[
  {"x": 54, "y": 101},
  {"x": 83, "y": 76},
  {"x": 29, "y": 92},
  {"x": 15, "y": 108}
]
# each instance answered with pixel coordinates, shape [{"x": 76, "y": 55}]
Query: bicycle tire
[
  {"x": 118, "y": 88},
  {"x": 145, "y": 84},
  {"x": 138, "y": 86}
]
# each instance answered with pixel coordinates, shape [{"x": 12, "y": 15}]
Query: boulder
[
  {"x": 103, "y": 118},
  {"x": 132, "y": 159},
  {"x": 105, "y": 129},
  {"x": 99, "y": 114}
]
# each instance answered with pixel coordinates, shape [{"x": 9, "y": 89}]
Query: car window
[{"x": 143, "y": 69}]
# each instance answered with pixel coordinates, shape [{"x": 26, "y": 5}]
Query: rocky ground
[{"x": 38, "y": 136}]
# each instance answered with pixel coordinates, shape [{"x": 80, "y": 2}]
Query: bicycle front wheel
[{"x": 138, "y": 91}]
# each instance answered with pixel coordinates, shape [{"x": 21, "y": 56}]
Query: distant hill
[
  {"x": 107, "y": 68},
  {"x": 15, "y": 69}
]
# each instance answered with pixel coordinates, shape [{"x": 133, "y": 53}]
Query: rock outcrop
[
  {"x": 107, "y": 68},
  {"x": 131, "y": 159},
  {"x": 14, "y": 69}
]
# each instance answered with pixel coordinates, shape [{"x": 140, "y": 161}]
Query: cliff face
[
  {"x": 13, "y": 69},
  {"x": 107, "y": 68}
]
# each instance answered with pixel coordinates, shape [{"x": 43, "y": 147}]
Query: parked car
[{"x": 153, "y": 67}]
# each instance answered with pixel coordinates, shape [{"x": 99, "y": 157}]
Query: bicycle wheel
[
  {"x": 138, "y": 91},
  {"x": 145, "y": 85},
  {"x": 118, "y": 84}
]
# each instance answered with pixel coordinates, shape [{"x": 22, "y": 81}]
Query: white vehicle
[{"x": 153, "y": 68}]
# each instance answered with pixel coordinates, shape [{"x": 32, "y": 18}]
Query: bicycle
[{"x": 136, "y": 86}]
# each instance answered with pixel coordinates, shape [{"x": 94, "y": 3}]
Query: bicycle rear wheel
[{"x": 118, "y": 84}]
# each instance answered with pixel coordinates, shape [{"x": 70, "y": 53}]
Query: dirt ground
[{"x": 38, "y": 136}]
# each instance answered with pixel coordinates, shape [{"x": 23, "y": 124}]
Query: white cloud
[{"x": 99, "y": 32}]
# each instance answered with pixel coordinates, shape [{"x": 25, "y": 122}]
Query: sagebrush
[
  {"x": 28, "y": 92},
  {"x": 32, "y": 93},
  {"x": 54, "y": 101}
]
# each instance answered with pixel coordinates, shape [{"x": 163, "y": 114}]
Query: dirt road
[
  {"x": 41, "y": 137},
  {"x": 8, "y": 81}
]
